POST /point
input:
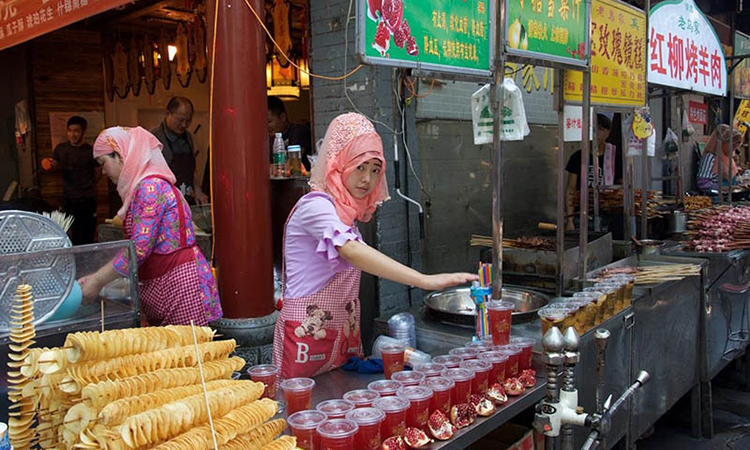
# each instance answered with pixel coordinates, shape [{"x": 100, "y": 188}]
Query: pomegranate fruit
[
  {"x": 482, "y": 405},
  {"x": 374, "y": 9},
  {"x": 382, "y": 39},
  {"x": 394, "y": 443},
  {"x": 513, "y": 387},
  {"x": 528, "y": 378},
  {"x": 440, "y": 426},
  {"x": 462, "y": 415},
  {"x": 416, "y": 438},
  {"x": 411, "y": 46},
  {"x": 392, "y": 11},
  {"x": 497, "y": 394}
]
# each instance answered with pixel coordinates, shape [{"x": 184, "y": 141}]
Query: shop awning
[{"x": 22, "y": 20}]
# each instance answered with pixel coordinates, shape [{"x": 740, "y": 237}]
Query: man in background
[
  {"x": 179, "y": 150},
  {"x": 293, "y": 133},
  {"x": 80, "y": 172}
]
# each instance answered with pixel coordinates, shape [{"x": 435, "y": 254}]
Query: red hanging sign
[{"x": 697, "y": 113}]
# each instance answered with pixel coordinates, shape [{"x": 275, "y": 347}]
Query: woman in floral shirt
[{"x": 176, "y": 282}]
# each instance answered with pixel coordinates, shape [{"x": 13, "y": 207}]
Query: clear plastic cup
[
  {"x": 462, "y": 378},
  {"x": 393, "y": 359},
  {"x": 552, "y": 318},
  {"x": 385, "y": 387},
  {"x": 266, "y": 374},
  {"x": 481, "y": 369},
  {"x": 570, "y": 309},
  {"x": 337, "y": 434},
  {"x": 297, "y": 393},
  {"x": 362, "y": 398},
  {"x": 527, "y": 351},
  {"x": 513, "y": 352},
  {"x": 480, "y": 346},
  {"x": 336, "y": 408},
  {"x": 408, "y": 377},
  {"x": 395, "y": 409},
  {"x": 442, "y": 388},
  {"x": 499, "y": 361},
  {"x": 464, "y": 353},
  {"x": 500, "y": 314},
  {"x": 449, "y": 361},
  {"x": 303, "y": 425},
  {"x": 369, "y": 420},
  {"x": 432, "y": 369},
  {"x": 419, "y": 410}
]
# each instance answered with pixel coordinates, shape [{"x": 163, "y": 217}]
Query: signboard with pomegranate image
[{"x": 439, "y": 36}]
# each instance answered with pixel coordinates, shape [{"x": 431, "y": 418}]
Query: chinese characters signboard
[
  {"x": 697, "y": 113},
  {"x": 618, "y": 58},
  {"x": 555, "y": 29},
  {"x": 743, "y": 116},
  {"x": 683, "y": 50},
  {"x": 741, "y": 73},
  {"x": 24, "y": 20},
  {"x": 573, "y": 116},
  {"x": 439, "y": 35}
]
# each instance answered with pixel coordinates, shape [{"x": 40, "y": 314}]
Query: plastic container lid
[
  {"x": 448, "y": 360},
  {"x": 415, "y": 393},
  {"x": 480, "y": 346},
  {"x": 523, "y": 342},
  {"x": 385, "y": 387},
  {"x": 508, "y": 349},
  {"x": 408, "y": 377},
  {"x": 552, "y": 313},
  {"x": 464, "y": 353},
  {"x": 297, "y": 384},
  {"x": 477, "y": 365},
  {"x": 336, "y": 407},
  {"x": 294, "y": 148},
  {"x": 361, "y": 396},
  {"x": 499, "y": 305},
  {"x": 264, "y": 370},
  {"x": 392, "y": 404},
  {"x": 338, "y": 428},
  {"x": 429, "y": 369},
  {"x": 459, "y": 374},
  {"x": 366, "y": 416},
  {"x": 306, "y": 420},
  {"x": 393, "y": 348},
  {"x": 494, "y": 357},
  {"x": 278, "y": 135},
  {"x": 438, "y": 384}
]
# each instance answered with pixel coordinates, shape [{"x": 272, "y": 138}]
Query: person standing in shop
[
  {"x": 179, "y": 151},
  {"x": 80, "y": 174},
  {"x": 293, "y": 133}
]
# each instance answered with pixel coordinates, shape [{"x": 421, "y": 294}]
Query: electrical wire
[{"x": 402, "y": 111}]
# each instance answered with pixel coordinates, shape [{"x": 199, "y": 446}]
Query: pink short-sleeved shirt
[{"x": 312, "y": 234}]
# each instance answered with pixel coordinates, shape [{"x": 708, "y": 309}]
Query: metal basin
[{"x": 456, "y": 305}]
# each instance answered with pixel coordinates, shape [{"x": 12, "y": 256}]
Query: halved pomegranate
[
  {"x": 528, "y": 378},
  {"x": 462, "y": 415},
  {"x": 513, "y": 387},
  {"x": 393, "y": 11},
  {"x": 440, "y": 426},
  {"x": 411, "y": 46},
  {"x": 394, "y": 443},
  {"x": 374, "y": 9},
  {"x": 416, "y": 438},
  {"x": 497, "y": 394},
  {"x": 382, "y": 39},
  {"x": 482, "y": 405}
]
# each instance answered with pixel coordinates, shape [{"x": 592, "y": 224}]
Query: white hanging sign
[
  {"x": 684, "y": 50},
  {"x": 573, "y": 130}
]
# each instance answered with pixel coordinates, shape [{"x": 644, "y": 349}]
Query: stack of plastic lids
[{"x": 401, "y": 328}]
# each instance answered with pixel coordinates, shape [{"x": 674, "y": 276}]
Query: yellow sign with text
[
  {"x": 743, "y": 116},
  {"x": 618, "y": 57}
]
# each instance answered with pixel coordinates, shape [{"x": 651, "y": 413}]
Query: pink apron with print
[{"x": 319, "y": 332}]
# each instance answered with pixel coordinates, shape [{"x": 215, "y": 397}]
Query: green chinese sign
[
  {"x": 555, "y": 29},
  {"x": 741, "y": 73},
  {"x": 440, "y": 35}
]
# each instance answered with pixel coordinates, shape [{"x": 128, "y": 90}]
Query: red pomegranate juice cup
[
  {"x": 362, "y": 398},
  {"x": 297, "y": 393},
  {"x": 408, "y": 377},
  {"x": 500, "y": 319},
  {"x": 419, "y": 411},
  {"x": 480, "y": 346},
  {"x": 430, "y": 369},
  {"x": 464, "y": 353},
  {"x": 449, "y": 361},
  {"x": 481, "y": 371},
  {"x": 369, "y": 421},
  {"x": 527, "y": 351},
  {"x": 514, "y": 355},
  {"x": 335, "y": 409},
  {"x": 385, "y": 388},
  {"x": 442, "y": 388},
  {"x": 266, "y": 374},
  {"x": 462, "y": 389},
  {"x": 395, "y": 409},
  {"x": 498, "y": 360},
  {"x": 393, "y": 359},
  {"x": 303, "y": 425},
  {"x": 337, "y": 434}
]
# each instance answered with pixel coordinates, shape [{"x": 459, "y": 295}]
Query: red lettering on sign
[
  {"x": 697, "y": 112},
  {"x": 655, "y": 42},
  {"x": 604, "y": 40},
  {"x": 703, "y": 63},
  {"x": 676, "y": 57},
  {"x": 716, "y": 69},
  {"x": 691, "y": 59}
]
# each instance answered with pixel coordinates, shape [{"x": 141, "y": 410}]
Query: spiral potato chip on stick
[
  {"x": 257, "y": 438},
  {"x": 282, "y": 443}
]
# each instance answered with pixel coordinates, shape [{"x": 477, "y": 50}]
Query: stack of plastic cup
[
  {"x": 303, "y": 425},
  {"x": 401, "y": 327}
]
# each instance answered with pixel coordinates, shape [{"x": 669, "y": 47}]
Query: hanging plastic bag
[
  {"x": 671, "y": 144},
  {"x": 481, "y": 116},
  {"x": 515, "y": 127},
  {"x": 687, "y": 127}
]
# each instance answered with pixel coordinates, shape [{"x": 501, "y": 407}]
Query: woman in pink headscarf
[
  {"x": 176, "y": 282},
  {"x": 324, "y": 253}
]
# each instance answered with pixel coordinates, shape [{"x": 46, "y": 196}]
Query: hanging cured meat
[
  {"x": 184, "y": 69},
  {"x": 134, "y": 67},
  {"x": 120, "y": 65},
  {"x": 200, "y": 64},
  {"x": 109, "y": 76},
  {"x": 165, "y": 68},
  {"x": 149, "y": 69},
  {"x": 282, "y": 25}
]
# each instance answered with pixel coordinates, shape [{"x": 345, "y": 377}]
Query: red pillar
[{"x": 239, "y": 153}]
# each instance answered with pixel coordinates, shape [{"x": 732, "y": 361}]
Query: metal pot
[
  {"x": 649, "y": 247},
  {"x": 678, "y": 222},
  {"x": 455, "y": 304}
]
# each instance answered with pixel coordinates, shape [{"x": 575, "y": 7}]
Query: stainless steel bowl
[{"x": 456, "y": 305}]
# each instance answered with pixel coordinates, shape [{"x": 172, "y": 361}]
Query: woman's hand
[
  {"x": 445, "y": 280},
  {"x": 90, "y": 286}
]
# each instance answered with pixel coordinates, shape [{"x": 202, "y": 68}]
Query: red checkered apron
[{"x": 318, "y": 332}]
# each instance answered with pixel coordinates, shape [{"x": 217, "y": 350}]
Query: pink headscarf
[
  {"x": 140, "y": 152},
  {"x": 350, "y": 141}
]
